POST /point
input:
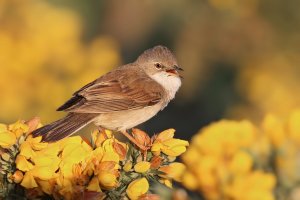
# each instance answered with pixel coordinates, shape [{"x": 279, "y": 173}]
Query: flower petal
[
  {"x": 142, "y": 167},
  {"x": 165, "y": 135},
  {"x": 7, "y": 139},
  {"x": 137, "y": 188},
  {"x": 23, "y": 164},
  {"x": 29, "y": 181},
  {"x": 94, "y": 185}
]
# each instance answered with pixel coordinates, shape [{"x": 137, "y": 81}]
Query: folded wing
[{"x": 116, "y": 91}]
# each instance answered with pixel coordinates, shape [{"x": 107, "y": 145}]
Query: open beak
[{"x": 174, "y": 71}]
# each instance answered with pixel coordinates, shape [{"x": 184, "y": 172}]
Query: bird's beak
[{"x": 174, "y": 71}]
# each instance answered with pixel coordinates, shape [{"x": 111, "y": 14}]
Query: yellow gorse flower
[
  {"x": 221, "y": 152},
  {"x": 173, "y": 171},
  {"x": 232, "y": 157},
  {"x": 261, "y": 184},
  {"x": 7, "y": 138},
  {"x": 72, "y": 166},
  {"x": 127, "y": 167},
  {"x": 9, "y": 134},
  {"x": 137, "y": 188},
  {"x": 142, "y": 167},
  {"x": 170, "y": 146}
]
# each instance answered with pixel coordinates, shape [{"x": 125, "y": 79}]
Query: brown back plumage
[{"x": 119, "y": 90}]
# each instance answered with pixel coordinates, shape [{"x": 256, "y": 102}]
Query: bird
[{"x": 121, "y": 99}]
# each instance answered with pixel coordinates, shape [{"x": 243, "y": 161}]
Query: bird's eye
[{"x": 158, "y": 65}]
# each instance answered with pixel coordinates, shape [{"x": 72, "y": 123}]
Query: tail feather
[{"x": 64, "y": 127}]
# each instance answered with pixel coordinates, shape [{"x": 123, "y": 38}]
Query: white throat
[{"x": 170, "y": 83}]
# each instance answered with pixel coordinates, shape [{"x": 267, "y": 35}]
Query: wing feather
[{"x": 116, "y": 91}]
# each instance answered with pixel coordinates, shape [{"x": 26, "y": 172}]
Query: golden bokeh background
[{"x": 43, "y": 58}]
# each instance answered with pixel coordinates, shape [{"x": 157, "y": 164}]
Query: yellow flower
[
  {"x": 75, "y": 152},
  {"x": 127, "y": 167},
  {"x": 23, "y": 164},
  {"x": 255, "y": 185},
  {"x": 36, "y": 143},
  {"x": 107, "y": 180},
  {"x": 47, "y": 186},
  {"x": 95, "y": 156},
  {"x": 29, "y": 181},
  {"x": 69, "y": 140},
  {"x": 120, "y": 148},
  {"x": 174, "y": 171},
  {"x": 174, "y": 147},
  {"x": 52, "y": 150},
  {"x": 43, "y": 172},
  {"x": 190, "y": 181},
  {"x": 7, "y": 138},
  {"x": 109, "y": 152},
  {"x": 17, "y": 177},
  {"x": 168, "y": 145},
  {"x": 99, "y": 138},
  {"x": 67, "y": 167},
  {"x": 166, "y": 134},
  {"x": 109, "y": 166},
  {"x": 166, "y": 182},
  {"x": 26, "y": 150},
  {"x": 94, "y": 185},
  {"x": 240, "y": 163},
  {"x": 66, "y": 187},
  {"x": 137, "y": 188},
  {"x": 142, "y": 167},
  {"x": 274, "y": 130},
  {"x": 211, "y": 140},
  {"x": 141, "y": 137},
  {"x": 294, "y": 126},
  {"x": 30, "y": 145},
  {"x": 205, "y": 170},
  {"x": 114, "y": 150},
  {"x": 43, "y": 160},
  {"x": 18, "y": 128},
  {"x": 110, "y": 156},
  {"x": 190, "y": 155},
  {"x": 287, "y": 163}
]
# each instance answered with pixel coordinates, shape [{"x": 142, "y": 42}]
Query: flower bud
[
  {"x": 127, "y": 167},
  {"x": 17, "y": 177},
  {"x": 142, "y": 167}
]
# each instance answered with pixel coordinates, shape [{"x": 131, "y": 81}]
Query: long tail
[{"x": 64, "y": 127}]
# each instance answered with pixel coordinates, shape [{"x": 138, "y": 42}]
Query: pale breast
[
  {"x": 170, "y": 83},
  {"x": 123, "y": 120}
]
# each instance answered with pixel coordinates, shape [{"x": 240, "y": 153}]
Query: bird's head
[
  {"x": 160, "y": 64},
  {"x": 159, "y": 60}
]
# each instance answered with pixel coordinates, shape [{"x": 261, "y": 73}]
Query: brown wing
[{"x": 116, "y": 91}]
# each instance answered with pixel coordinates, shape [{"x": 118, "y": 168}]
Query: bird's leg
[{"x": 143, "y": 148}]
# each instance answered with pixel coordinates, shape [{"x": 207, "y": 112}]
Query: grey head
[{"x": 159, "y": 59}]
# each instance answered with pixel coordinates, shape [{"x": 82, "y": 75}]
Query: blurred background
[{"x": 241, "y": 58}]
